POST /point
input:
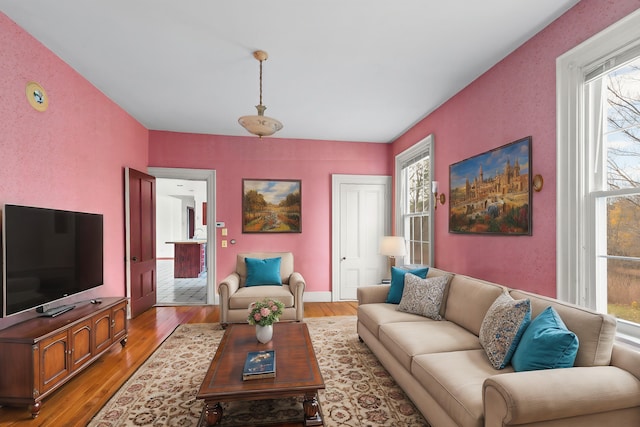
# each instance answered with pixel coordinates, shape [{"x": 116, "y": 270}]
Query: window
[
  {"x": 598, "y": 200},
  {"x": 414, "y": 201}
]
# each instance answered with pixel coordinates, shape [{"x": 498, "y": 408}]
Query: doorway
[
  {"x": 361, "y": 216},
  {"x": 185, "y": 236}
]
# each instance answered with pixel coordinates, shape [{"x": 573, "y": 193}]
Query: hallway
[{"x": 172, "y": 291}]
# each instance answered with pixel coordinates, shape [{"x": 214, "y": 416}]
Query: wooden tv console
[{"x": 38, "y": 355}]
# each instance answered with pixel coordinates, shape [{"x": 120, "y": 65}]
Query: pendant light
[{"x": 260, "y": 125}]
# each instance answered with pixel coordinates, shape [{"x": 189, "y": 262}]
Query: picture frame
[
  {"x": 271, "y": 206},
  {"x": 490, "y": 193}
]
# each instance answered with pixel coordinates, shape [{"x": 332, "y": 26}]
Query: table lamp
[{"x": 392, "y": 246}]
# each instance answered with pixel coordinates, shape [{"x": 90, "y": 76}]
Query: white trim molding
[{"x": 208, "y": 175}]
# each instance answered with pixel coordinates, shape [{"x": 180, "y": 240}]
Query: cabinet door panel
[
  {"x": 54, "y": 360},
  {"x": 81, "y": 344},
  {"x": 102, "y": 331},
  {"x": 119, "y": 321}
]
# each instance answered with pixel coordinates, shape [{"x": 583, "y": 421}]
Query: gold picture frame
[
  {"x": 271, "y": 206},
  {"x": 491, "y": 193}
]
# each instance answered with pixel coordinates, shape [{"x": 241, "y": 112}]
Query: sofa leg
[
  {"x": 359, "y": 338},
  {"x": 224, "y": 325}
]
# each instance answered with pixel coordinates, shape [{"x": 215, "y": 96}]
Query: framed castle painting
[
  {"x": 490, "y": 193},
  {"x": 271, "y": 206}
]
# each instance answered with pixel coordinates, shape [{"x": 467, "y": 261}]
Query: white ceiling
[{"x": 348, "y": 70}]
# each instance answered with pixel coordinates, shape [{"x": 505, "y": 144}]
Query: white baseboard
[{"x": 317, "y": 297}]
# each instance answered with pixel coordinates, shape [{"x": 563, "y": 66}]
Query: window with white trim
[
  {"x": 414, "y": 201},
  {"x": 598, "y": 200}
]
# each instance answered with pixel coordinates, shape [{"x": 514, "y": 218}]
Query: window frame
[
  {"x": 576, "y": 218},
  {"x": 423, "y": 146}
]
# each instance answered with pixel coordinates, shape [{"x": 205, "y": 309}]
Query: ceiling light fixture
[{"x": 260, "y": 125}]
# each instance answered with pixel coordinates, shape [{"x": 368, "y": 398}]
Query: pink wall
[
  {"x": 313, "y": 162},
  {"x": 70, "y": 156},
  {"x": 514, "y": 99}
]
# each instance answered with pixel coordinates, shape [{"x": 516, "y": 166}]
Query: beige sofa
[
  {"x": 235, "y": 297},
  {"x": 445, "y": 371}
]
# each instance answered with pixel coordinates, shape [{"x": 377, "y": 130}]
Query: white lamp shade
[{"x": 392, "y": 246}]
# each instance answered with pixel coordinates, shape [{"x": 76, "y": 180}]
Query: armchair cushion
[
  {"x": 286, "y": 264},
  {"x": 262, "y": 272},
  {"x": 250, "y": 294}
]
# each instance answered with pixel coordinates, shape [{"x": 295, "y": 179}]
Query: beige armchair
[{"x": 235, "y": 297}]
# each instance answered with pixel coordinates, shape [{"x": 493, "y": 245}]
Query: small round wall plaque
[{"x": 36, "y": 96}]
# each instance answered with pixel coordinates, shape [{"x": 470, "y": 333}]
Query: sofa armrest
[
  {"x": 229, "y": 286},
  {"x": 296, "y": 286},
  {"x": 226, "y": 288},
  {"x": 372, "y": 294},
  {"x": 536, "y": 396}
]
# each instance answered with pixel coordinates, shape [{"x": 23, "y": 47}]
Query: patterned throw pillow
[
  {"x": 423, "y": 296},
  {"x": 502, "y": 328}
]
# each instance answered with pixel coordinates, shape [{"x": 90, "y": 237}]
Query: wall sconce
[
  {"x": 538, "y": 182},
  {"x": 434, "y": 190},
  {"x": 392, "y": 246}
]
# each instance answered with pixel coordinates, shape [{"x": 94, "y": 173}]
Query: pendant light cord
[{"x": 260, "y": 82}]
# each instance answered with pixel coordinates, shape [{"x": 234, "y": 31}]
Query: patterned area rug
[{"x": 359, "y": 391}]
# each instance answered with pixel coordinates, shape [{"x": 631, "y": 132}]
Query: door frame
[
  {"x": 336, "y": 181},
  {"x": 208, "y": 175}
]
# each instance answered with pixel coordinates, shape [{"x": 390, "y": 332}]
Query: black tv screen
[{"x": 48, "y": 254}]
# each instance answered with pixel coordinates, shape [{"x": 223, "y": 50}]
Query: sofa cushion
[
  {"x": 286, "y": 264},
  {"x": 397, "y": 282},
  {"x": 502, "y": 328},
  {"x": 262, "y": 272},
  {"x": 405, "y": 340},
  {"x": 468, "y": 301},
  {"x": 247, "y": 295},
  {"x": 423, "y": 296},
  {"x": 455, "y": 380},
  {"x": 596, "y": 332},
  {"x": 375, "y": 314},
  {"x": 546, "y": 344}
]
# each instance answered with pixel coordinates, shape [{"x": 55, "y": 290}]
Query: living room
[{"x": 72, "y": 157}]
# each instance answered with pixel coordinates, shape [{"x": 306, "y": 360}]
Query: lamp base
[{"x": 392, "y": 263}]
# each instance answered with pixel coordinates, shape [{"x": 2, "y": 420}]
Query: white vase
[{"x": 264, "y": 333}]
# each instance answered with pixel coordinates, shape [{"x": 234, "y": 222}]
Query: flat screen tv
[{"x": 48, "y": 254}]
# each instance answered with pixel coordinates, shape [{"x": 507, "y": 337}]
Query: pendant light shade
[{"x": 260, "y": 124}]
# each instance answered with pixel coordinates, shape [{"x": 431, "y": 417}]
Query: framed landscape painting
[
  {"x": 271, "y": 206},
  {"x": 490, "y": 193}
]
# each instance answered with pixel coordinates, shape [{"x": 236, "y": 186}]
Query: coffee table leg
[
  {"x": 213, "y": 413},
  {"x": 312, "y": 415}
]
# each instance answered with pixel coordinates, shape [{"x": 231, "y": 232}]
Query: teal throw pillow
[
  {"x": 263, "y": 271},
  {"x": 546, "y": 344},
  {"x": 502, "y": 328},
  {"x": 397, "y": 282}
]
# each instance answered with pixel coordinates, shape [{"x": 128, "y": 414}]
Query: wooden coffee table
[{"x": 297, "y": 371}]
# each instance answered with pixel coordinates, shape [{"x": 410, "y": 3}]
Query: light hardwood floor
[{"x": 75, "y": 403}]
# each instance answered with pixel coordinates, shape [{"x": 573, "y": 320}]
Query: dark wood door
[
  {"x": 191, "y": 217},
  {"x": 141, "y": 252}
]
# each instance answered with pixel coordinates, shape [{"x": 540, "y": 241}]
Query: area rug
[{"x": 359, "y": 391}]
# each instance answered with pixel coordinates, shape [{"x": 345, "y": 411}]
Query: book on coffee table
[{"x": 259, "y": 364}]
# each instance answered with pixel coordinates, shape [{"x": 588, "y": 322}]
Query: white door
[{"x": 361, "y": 216}]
